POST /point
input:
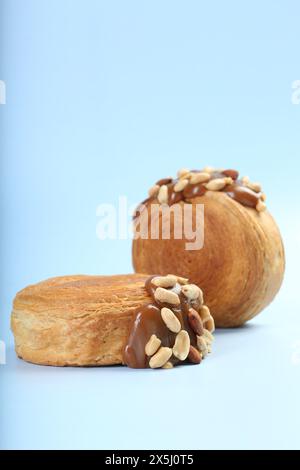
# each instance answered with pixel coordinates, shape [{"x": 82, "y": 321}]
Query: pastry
[
  {"x": 134, "y": 319},
  {"x": 241, "y": 264}
]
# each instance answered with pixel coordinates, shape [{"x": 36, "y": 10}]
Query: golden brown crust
[
  {"x": 76, "y": 320},
  {"x": 240, "y": 268}
]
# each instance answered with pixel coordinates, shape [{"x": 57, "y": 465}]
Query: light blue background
[{"x": 103, "y": 98}]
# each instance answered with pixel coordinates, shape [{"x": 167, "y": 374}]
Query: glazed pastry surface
[{"x": 241, "y": 265}]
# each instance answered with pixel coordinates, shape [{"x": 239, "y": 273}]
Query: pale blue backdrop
[{"x": 102, "y": 99}]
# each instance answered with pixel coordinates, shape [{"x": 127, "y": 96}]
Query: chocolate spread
[{"x": 148, "y": 321}]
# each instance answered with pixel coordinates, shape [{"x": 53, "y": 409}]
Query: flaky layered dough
[
  {"x": 76, "y": 320},
  {"x": 240, "y": 268}
]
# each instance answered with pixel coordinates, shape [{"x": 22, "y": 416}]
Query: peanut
[
  {"x": 170, "y": 320},
  {"x": 191, "y": 291},
  {"x": 202, "y": 346},
  {"x": 152, "y": 345},
  {"x": 182, "y": 183},
  {"x": 216, "y": 184},
  {"x": 163, "y": 194},
  {"x": 182, "y": 344},
  {"x": 197, "y": 178},
  {"x": 166, "y": 296},
  {"x": 160, "y": 358},
  {"x": 208, "y": 336},
  {"x": 182, "y": 280},
  {"x": 261, "y": 206},
  {"x": 209, "y": 169},
  {"x": 256, "y": 187},
  {"x": 204, "y": 313},
  {"x": 183, "y": 172},
  {"x": 168, "y": 365},
  {"x": 210, "y": 324},
  {"x": 154, "y": 190},
  {"x": 165, "y": 281}
]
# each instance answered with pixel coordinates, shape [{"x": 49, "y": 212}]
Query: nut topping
[
  {"x": 231, "y": 173},
  {"x": 228, "y": 180},
  {"x": 195, "y": 322},
  {"x": 202, "y": 346},
  {"x": 182, "y": 280},
  {"x": 197, "y": 178},
  {"x": 182, "y": 344},
  {"x": 261, "y": 206},
  {"x": 163, "y": 194},
  {"x": 194, "y": 355},
  {"x": 216, "y": 184},
  {"x": 207, "y": 320},
  {"x": 204, "y": 313},
  {"x": 170, "y": 320},
  {"x": 168, "y": 329},
  {"x": 165, "y": 296},
  {"x": 183, "y": 172},
  {"x": 208, "y": 336},
  {"x": 256, "y": 187},
  {"x": 160, "y": 358},
  {"x": 152, "y": 345},
  {"x": 210, "y": 324},
  {"x": 168, "y": 365},
  {"x": 165, "y": 281},
  {"x": 153, "y": 192},
  {"x": 245, "y": 180},
  {"x": 191, "y": 291},
  {"x": 192, "y": 184},
  {"x": 182, "y": 183}
]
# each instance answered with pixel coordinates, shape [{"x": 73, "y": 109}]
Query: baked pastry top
[
  {"x": 240, "y": 265},
  {"x": 76, "y": 320}
]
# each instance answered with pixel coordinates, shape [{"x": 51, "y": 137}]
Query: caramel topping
[
  {"x": 164, "y": 181},
  {"x": 149, "y": 329}
]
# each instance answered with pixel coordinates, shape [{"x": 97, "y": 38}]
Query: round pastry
[
  {"x": 241, "y": 264},
  {"x": 136, "y": 320}
]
